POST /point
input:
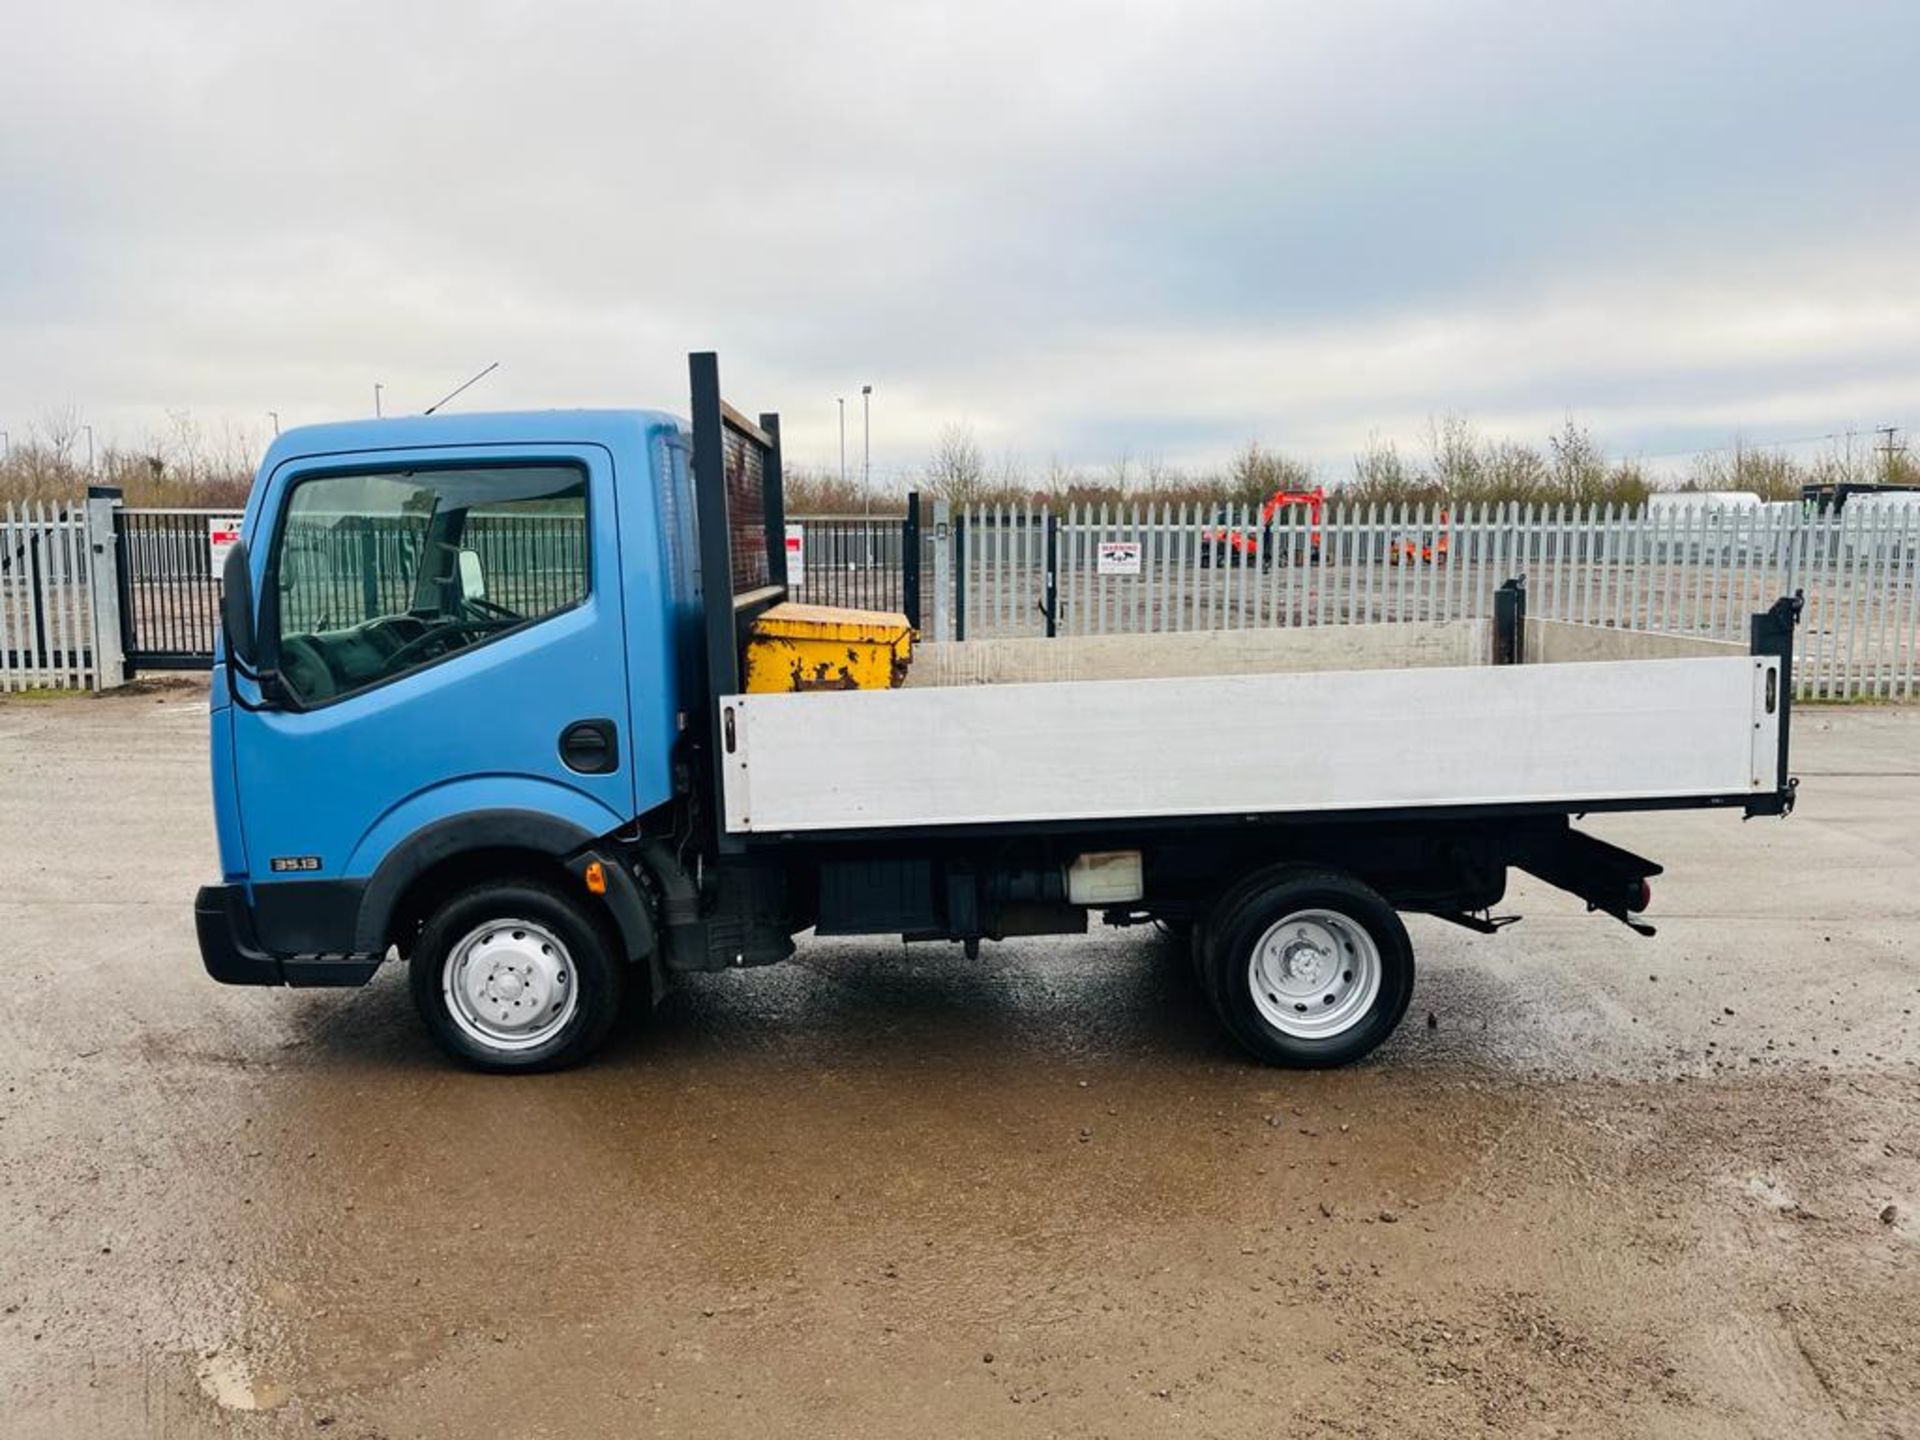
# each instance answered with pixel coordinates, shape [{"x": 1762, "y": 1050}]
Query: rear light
[{"x": 1642, "y": 897}]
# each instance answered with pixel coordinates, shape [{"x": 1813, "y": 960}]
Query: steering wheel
[
  {"x": 305, "y": 670},
  {"x": 440, "y": 635}
]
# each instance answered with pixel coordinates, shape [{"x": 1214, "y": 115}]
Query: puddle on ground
[{"x": 227, "y": 1379}]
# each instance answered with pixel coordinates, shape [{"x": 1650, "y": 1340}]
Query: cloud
[{"x": 1165, "y": 228}]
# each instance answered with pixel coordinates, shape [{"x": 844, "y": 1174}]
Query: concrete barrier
[
  {"x": 1019, "y": 660},
  {"x": 1556, "y": 641}
]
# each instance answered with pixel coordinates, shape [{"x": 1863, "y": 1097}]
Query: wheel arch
[
  {"x": 418, "y": 890},
  {"x": 438, "y": 883},
  {"x": 459, "y": 849},
  {"x": 1439, "y": 867}
]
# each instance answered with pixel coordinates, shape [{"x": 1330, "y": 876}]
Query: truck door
[{"x": 447, "y": 632}]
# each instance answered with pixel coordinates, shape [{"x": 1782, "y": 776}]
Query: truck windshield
[{"x": 376, "y": 574}]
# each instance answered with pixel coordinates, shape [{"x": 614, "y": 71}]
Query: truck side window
[{"x": 378, "y": 573}]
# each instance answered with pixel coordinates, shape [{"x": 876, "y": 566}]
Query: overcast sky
[{"x": 1157, "y": 228}]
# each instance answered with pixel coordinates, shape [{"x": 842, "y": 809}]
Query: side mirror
[
  {"x": 236, "y": 607},
  {"x": 473, "y": 578}
]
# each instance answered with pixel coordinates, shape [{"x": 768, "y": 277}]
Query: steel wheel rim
[
  {"x": 1315, "y": 974},
  {"x": 510, "y": 985}
]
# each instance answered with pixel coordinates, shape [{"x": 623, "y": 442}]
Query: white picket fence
[
  {"x": 46, "y": 613},
  {"x": 1691, "y": 571}
]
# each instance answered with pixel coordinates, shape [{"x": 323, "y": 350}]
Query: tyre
[
  {"x": 1306, "y": 968},
  {"x": 515, "y": 976}
]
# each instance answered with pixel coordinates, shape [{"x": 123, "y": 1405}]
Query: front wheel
[
  {"x": 515, "y": 976},
  {"x": 1307, "y": 968}
]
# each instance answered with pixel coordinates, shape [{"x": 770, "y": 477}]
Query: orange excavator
[
  {"x": 1419, "y": 549},
  {"x": 1227, "y": 544}
]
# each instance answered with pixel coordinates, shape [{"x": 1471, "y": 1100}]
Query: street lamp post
[
  {"x": 274, "y": 415},
  {"x": 866, "y": 462},
  {"x": 866, "y": 443},
  {"x": 841, "y": 401},
  {"x": 377, "y": 388},
  {"x": 89, "y": 430},
  {"x": 6, "y": 445}
]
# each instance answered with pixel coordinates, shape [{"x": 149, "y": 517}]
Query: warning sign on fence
[
  {"x": 796, "y": 556},
  {"x": 223, "y": 533},
  {"x": 1118, "y": 557}
]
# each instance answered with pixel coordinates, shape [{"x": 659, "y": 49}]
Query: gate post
[
  {"x": 1051, "y": 605},
  {"x": 104, "y": 561},
  {"x": 960, "y": 577},
  {"x": 1510, "y": 622},
  {"x": 910, "y": 560},
  {"x": 942, "y": 569}
]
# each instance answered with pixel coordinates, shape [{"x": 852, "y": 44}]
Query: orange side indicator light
[{"x": 596, "y": 877}]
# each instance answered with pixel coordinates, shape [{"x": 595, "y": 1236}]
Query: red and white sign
[
  {"x": 796, "y": 556},
  {"x": 223, "y": 533},
  {"x": 1117, "y": 557}
]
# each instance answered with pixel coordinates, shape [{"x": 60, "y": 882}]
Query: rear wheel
[
  {"x": 513, "y": 976},
  {"x": 1307, "y": 968}
]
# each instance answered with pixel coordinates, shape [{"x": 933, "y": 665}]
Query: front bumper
[{"x": 232, "y": 954}]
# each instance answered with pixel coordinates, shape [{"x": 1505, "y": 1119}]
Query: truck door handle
[{"x": 590, "y": 747}]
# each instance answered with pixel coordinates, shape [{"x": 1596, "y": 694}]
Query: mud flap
[{"x": 1608, "y": 878}]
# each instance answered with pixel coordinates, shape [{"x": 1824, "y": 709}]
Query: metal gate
[
  {"x": 859, "y": 562},
  {"x": 169, "y": 590}
]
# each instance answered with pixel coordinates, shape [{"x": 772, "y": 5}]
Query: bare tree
[
  {"x": 957, "y": 473},
  {"x": 1381, "y": 474},
  {"x": 1062, "y": 478},
  {"x": 1010, "y": 481},
  {"x": 57, "y": 431}
]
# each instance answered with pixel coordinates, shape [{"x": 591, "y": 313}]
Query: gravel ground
[{"x": 1597, "y": 1185}]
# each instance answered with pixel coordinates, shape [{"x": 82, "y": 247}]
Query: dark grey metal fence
[
  {"x": 360, "y": 567},
  {"x": 169, "y": 593},
  {"x": 861, "y": 564},
  {"x": 340, "y": 575}
]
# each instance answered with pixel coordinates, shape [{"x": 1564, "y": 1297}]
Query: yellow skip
[{"x": 817, "y": 647}]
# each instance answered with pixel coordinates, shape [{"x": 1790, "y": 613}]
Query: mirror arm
[
  {"x": 273, "y": 692},
  {"x": 275, "y": 689}
]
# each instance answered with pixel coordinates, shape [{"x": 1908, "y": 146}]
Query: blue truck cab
[
  {"x": 473, "y": 708},
  {"x": 468, "y": 637}
]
